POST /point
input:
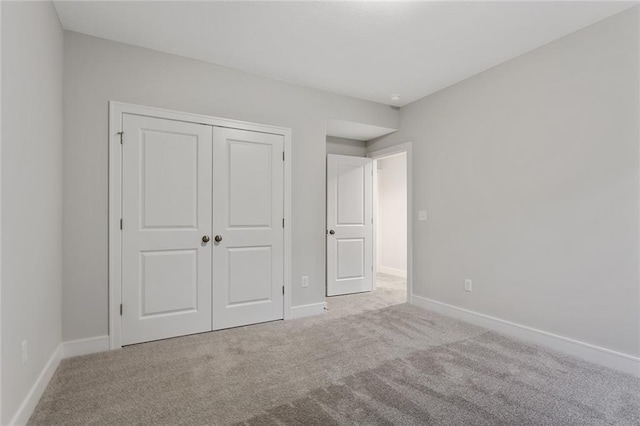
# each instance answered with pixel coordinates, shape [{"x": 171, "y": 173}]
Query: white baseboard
[
  {"x": 35, "y": 393},
  {"x": 596, "y": 354},
  {"x": 308, "y": 310},
  {"x": 392, "y": 271},
  {"x": 85, "y": 346}
]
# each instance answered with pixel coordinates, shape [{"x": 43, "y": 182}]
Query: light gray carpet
[
  {"x": 390, "y": 290},
  {"x": 361, "y": 363}
]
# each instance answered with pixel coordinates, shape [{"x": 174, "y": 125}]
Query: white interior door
[
  {"x": 166, "y": 211},
  {"x": 248, "y": 222},
  {"x": 349, "y": 225}
]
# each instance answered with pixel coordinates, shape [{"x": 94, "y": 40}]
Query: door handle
[
  {"x": 332, "y": 231},
  {"x": 205, "y": 239},
  {"x": 218, "y": 238}
]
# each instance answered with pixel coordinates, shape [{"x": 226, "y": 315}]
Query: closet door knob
[
  {"x": 218, "y": 238},
  {"x": 205, "y": 239},
  {"x": 332, "y": 232}
]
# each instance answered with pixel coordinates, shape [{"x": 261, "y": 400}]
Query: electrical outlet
[
  {"x": 468, "y": 285},
  {"x": 23, "y": 353},
  {"x": 305, "y": 281}
]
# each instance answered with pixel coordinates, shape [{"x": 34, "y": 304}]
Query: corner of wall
[{"x": 31, "y": 199}]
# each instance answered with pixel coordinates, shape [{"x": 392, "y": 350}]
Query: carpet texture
[{"x": 369, "y": 360}]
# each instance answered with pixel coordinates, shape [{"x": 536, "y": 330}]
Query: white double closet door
[{"x": 202, "y": 234}]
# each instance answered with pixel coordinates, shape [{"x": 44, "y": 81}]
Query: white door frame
[
  {"x": 381, "y": 153},
  {"x": 116, "y": 111}
]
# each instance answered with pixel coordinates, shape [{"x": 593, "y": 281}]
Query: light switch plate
[{"x": 422, "y": 215}]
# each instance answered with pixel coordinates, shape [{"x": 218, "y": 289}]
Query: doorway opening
[
  {"x": 368, "y": 228},
  {"x": 390, "y": 226}
]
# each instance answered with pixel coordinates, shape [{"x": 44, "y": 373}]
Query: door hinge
[
  {"x": 282, "y": 155},
  {"x": 282, "y": 289},
  {"x": 121, "y": 224},
  {"x": 121, "y": 309},
  {"x": 121, "y": 134},
  {"x": 283, "y": 222}
]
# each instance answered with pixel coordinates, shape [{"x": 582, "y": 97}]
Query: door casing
[{"x": 116, "y": 111}]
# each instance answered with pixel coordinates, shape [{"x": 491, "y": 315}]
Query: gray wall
[
  {"x": 31, "y": 240},
  {"x": 529, "y": 173},
  {"x": 343, "y": 146},
  {"x": 97, "y": 71},
  {"x": 392, "y": 213}
]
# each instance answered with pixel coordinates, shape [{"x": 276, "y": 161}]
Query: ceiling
[
  {"x": 354, "y": 130},
  {"x": 368, "y": 50}
]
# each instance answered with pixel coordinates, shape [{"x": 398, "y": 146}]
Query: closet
[{"x": 202, "y": 226}]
